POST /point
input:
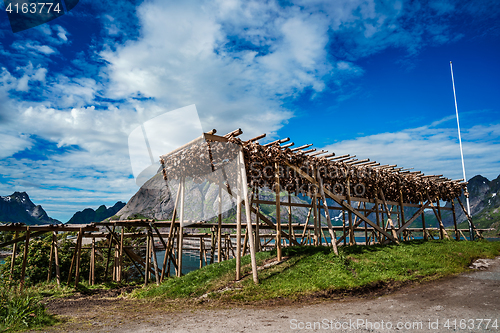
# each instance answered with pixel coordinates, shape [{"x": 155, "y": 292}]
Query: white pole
[{"x": 461, "y": 151}]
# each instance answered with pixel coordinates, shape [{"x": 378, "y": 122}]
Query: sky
[{"x": 364, "y": 77}]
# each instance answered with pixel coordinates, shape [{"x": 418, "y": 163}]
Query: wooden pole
[
  {"x": 402, "y": 207},
  {"x": 13, "y": 257},
  {"x": 315, "y": 219},
  {"x": 290, "y": 230},
  {"x": 257, "y": 224},
  {"x": 116, "y": 261},
  {"x": 441, "y": 226},
  {"x": 438, "y": 216},
  {"x": 78, "y": 256},
  {"x": 251, "y": 244},
  {"x": 170, "y": 242},
  {"x": 423, "y": 222},
  {"x": 201, "y": 252},
  {"x": 147, "y": 260},
  {"x": 245, "y": 241},
  {"x": 155, "y": 261},
  {"x": 457, "y": 236},
  {"x": 219, "y": 225},
  {"x": 333, "y": 236},
  {"x": 343, "y": 227},
  {"x": 92, "y": 263},
  {"x": 108, "y": 257},
  {"x": 303, "y": 240},
  {"x": 349, "y": 214},
  {"x": 366, "y": 228},
  {"x": 278, "y": 212},
  {"x": 389, "y": 219},
  {"x": 377, "y": 212},
  {"x": 320, "y": 229},
  {"x": 51, "y": 258},
  {"x": 238, "y": 226},
  {"x": 56, "y": 255},
  {"x": 25, "y": 257},
  {"x": 181, "y": 231},
  {"x": 120, "y": 259}
]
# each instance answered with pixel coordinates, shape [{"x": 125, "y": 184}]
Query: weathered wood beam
[
  {"x": 309, "y": 150},
  {"x": 319, "y": 153},
  {"x": 302, "y": 147},
  {"x": 276, "y": 141},
  {"x": 234, "y": 133},
  {"x": 257, "y": 138}
]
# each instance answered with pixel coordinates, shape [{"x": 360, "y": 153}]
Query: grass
[
  {"x": 25, "y": 310},
  {"x": 312, "y": 270},
  {"x": 21, "y": 310}
]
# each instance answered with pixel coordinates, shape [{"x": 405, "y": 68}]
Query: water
[{"x": 190, "y": 261}]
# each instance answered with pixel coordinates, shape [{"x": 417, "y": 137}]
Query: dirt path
[{"x": 422, "y": 308}]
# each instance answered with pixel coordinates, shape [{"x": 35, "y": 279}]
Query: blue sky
[{"x": 369, "y": 78}]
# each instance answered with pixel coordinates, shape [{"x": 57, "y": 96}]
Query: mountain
[
  {"x": 155, "y": 200},
  {"x": 89, "y": 215},
  {"x": 485, "y": 203},
  {"x": 18, "y": 207}
]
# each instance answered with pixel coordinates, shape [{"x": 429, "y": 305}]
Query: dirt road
[{"x": 463, "y": 303}]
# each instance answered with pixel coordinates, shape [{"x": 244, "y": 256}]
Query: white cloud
[
  {"x": 11, "y": 144},
  {"x": 431, "y": 150},
  {"x": 61, "y": 33},
  {"x": 236, "y": 60}
]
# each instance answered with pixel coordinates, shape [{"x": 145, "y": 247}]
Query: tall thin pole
[
  {"x": 181, "y": 230},
  {"x": 461, "y": 152}
]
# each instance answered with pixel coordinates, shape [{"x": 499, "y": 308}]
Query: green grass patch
[
  {"x": 309, "y": 270},
  {"x": 21, "y": 310}
]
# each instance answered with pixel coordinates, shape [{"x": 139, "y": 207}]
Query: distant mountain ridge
[
  {"x": 18, "y": 207},
  {"x": 89, "y": 215}
]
